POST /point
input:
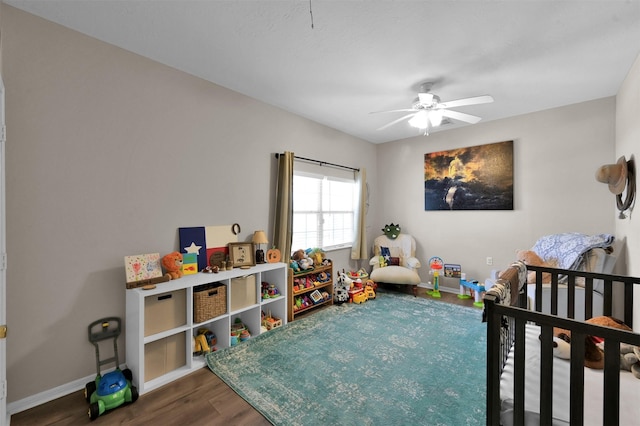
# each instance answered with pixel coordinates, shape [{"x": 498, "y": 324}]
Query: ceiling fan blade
[
  {"x": 485, "y": 99},
  {"x": 461, "y": 116},
  {"x": 395, "y": 110},
  {"x": 396, "y": 121}
]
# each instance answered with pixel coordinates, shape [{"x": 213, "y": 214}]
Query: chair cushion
[
  {"x": 395, "y": 275},
  {"x": 402, "y": 247}
]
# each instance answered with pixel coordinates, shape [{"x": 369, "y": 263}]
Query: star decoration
[{"x": 193, "y": 248}]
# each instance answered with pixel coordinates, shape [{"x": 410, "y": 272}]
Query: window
[{"x": 323, "y": 210}]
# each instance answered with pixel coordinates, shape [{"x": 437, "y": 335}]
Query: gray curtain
[
  {"x": 283, "y": 218},
  {"x": 360, "y": 250}
]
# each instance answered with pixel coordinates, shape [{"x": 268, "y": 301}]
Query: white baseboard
[
  {"x": 21, "y": 405},
  {"x": 444, "y": 289},
  {"x": 48, "y": 395}
]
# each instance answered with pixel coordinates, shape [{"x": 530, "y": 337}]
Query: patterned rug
[{"x": 394, "y": 360}]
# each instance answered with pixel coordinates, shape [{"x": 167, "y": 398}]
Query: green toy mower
[{"x": 114, "y": 388}]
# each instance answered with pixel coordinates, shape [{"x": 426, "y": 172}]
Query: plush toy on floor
[{"x": 341, "y": 288}]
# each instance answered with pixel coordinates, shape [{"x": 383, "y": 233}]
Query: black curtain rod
[{"x": 322, "y": 163}]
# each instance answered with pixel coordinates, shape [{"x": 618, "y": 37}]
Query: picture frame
[
  {"x": 242, "y": 254},
  {"x": 472, "y": 178},
  {"x": 316, "y": 296}
]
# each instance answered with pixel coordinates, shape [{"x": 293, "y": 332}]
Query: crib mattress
[{"x": 593, "y": 385}]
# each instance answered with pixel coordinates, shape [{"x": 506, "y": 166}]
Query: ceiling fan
[{"x": 427, "y": 111}]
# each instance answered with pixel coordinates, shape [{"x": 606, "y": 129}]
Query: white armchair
[{"x": 394, "y": 261}]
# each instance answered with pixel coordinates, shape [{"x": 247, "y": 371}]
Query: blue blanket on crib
[{"x": 569, "y": 248}]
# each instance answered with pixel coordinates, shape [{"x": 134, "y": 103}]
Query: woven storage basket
[{"x": 209, "y": 301}]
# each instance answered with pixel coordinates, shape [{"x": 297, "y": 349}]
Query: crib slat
[
  {"x": 554, "y": 294},
  {"x": 546, "y": 374},
  {"x": 611, "y": 415},
  {"x": 588, "y": 297},
  {"x": 608, "y": 298},
  {"x": 571, "y": 297},
  {"x": 576, "y": 379},
  {"x": 494, "y": 362},
  {"x": 519, "y": 370}
]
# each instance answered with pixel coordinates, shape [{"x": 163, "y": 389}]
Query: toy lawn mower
[{"x": 114, "y": 388}]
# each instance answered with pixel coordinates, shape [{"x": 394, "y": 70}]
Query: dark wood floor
[{"x": 199, "y": 398}]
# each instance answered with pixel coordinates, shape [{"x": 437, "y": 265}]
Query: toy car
[
  {"x": 360, "y": 297},
  {"x": 113, "y": 389},
  {"x": 368, "y": 290}
]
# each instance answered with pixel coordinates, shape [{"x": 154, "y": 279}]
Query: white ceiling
[{"x": 362, "y": 56}]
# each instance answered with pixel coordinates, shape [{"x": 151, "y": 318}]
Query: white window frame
[{"x": 325, "y": 175}]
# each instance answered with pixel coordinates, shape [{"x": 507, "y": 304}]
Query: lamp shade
[{"x": 259, "y": 237}]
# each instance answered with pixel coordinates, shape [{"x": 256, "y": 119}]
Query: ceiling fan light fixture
[
  {"x": 436, "y": 116},
  {"x": 420, "y": 120}
]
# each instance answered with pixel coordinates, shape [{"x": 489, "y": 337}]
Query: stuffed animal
[
  {"x": 304, "y": 261},
  {"x": 172, "y": 264},
  {"x": 341, "y": 288},
  {"x": 594, "y": 353},
  {"x": 391, "y": 231},
  {"x": 530, "y": 257}
]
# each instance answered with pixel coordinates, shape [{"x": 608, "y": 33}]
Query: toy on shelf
[
  {"x": 435, "y": 266},
  {"x": 204, "y": 342},
  {"x": 269, "y": 322},
  {"x": 239, "y": 332},
  {"x": 172, "y": 264},
  {"x": 269, "y": 291}
]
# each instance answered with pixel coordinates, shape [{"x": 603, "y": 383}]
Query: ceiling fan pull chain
[{"x": 311, "y": 13}]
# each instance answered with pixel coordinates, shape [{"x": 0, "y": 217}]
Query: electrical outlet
[{"x": 489, "y": 260}]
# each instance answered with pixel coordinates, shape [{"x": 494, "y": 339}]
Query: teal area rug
[{"x": 395, "y": 360}]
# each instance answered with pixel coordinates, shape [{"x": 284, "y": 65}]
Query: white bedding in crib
[{"x": 593, "y": 382}]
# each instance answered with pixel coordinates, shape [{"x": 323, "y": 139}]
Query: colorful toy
[
  {"x": 360, "y": 297},
  {"x": 294, "y": 265},
  {"x": 476, "y": 289},
  {"x": 270, "y": 322},
  {"x": 369, "y": 292},
  {"x": 391, "y": 231},
  {"x": 341, "y": 288},
  {"x": 113, "y": 389},
  {"x": 172, "y": 264},
  {"x": 304, "y": 261},
  {"x": 435, "y": 266}
]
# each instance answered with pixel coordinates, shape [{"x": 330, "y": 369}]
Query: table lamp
[{"x": 259, "y": 237}]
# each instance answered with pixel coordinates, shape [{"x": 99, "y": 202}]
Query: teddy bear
[
  {"x": 594, "y": 353},
  {"x": 172, "y": 264},
  {"x": 530, "y": 257}
]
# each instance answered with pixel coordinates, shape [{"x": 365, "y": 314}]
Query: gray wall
[
  {"x": 556, "y": 154},
  {"x": 109, "y": 153},
  {"x": 628, "y": 144}
]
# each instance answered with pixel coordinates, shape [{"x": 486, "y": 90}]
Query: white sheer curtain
[{"x": 360, "y": 250}]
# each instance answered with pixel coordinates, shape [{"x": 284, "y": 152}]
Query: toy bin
[
  {"x": 164, "y": 355},
  {"x": 243, "y": 292},
  {"x": 209, "y": 301},
  {"x": 165, "y": 311}
]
